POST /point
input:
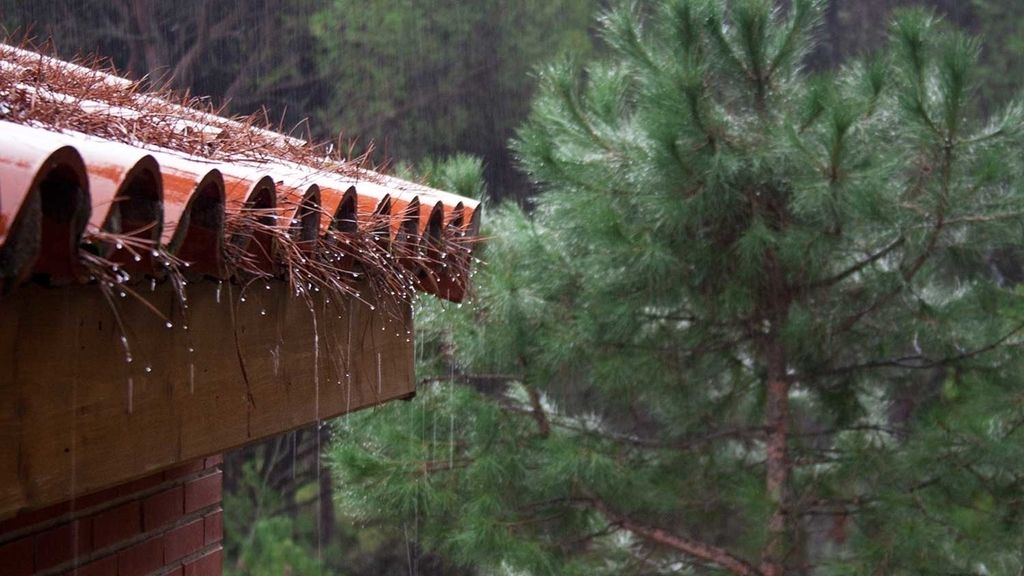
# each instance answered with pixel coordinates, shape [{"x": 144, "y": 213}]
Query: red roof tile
[{"x": 94, "y": 170}]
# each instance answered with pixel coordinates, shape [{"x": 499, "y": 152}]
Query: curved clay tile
[
  {"x": 44, "y": 208},
  {"x": 216, "y": 195},
  {"x": 200, "y": 231},
  {"x": 305, "y": 224}
]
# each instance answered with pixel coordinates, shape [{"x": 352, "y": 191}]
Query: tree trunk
[{"x": 777, "y": 463}]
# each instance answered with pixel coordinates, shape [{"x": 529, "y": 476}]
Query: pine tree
[{"x": 759, "y": 322}]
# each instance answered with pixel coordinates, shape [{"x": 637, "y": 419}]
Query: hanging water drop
[{"x": 169, "y": 324}]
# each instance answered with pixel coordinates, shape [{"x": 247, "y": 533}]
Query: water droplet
[
  {"x": 191, "y": 349},
  {"x": 169, "y": 324},
  {"x": 119, "y": 245},
  {"x": 148, "y": 369},
  {"x": 263, "y": 312},
  {"x": 152, "y": 285},
  {"x": 242, "y": 299},
  {"x": 137, "y": 258}
]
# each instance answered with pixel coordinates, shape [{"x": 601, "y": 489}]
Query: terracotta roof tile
[{"x": 94, "y": 170}]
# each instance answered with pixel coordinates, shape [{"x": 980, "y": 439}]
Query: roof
[{"x": 102, "y": 181}]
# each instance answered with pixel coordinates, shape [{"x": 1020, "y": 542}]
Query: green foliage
[
  {"x": 260, "y": 541},
  {"x": 715, "y": 221},
  {"x": 436, "y": 78},
  {"x": 1001, "y": 26},
  {"x": 272, "y": 551}
]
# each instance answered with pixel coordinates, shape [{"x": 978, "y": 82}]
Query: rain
[{"x": 708, "y": 330}]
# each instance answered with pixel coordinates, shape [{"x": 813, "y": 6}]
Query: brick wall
[{"x": 167, "y": 524}]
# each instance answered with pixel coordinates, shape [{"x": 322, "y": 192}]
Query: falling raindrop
[
  {"x": 380, "y": 382},
  {"x": 275, "y": 356},
  {"x": 220, "y": 283}
]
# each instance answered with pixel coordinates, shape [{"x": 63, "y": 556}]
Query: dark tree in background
[{"x": 422, "y": 79}]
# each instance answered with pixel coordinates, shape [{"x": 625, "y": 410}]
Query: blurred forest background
[{"x": 422, "y": 81}]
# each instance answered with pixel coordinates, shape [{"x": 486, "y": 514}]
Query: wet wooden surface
[{"x": 76, "y": 417}]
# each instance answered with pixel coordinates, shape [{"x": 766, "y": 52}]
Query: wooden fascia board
[{"x": 75, "y": 417}]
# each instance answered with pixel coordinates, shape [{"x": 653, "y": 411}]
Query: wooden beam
[{"x": 76, "y": 416}]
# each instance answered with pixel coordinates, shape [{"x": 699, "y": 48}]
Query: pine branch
[
  {"x": 688, "y": 546},
  {"x": 537, "y": 411},
  {"x": 683, "y": 444},
  {"x": 919, "y": 361},
  {"x": 837, "y": 278}
]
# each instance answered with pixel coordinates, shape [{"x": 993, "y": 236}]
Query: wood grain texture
[{"x": 75, "y": 417}]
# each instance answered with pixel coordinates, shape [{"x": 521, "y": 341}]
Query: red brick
[
  {"x": 216, "y": 460},
  {"x": 16, "y": 558},
  {"x": 141, "y": 559},
  {"x": 163, "y": 508},
  {"x": 213, "y": 527},
  {"x": 211, "y": 564},
  {"x": 103, "y": 567},
  {"x": 203, "y": 492},
  {"x": 183, "y": 541},
  {"x": 116, "y": 525},
  {"x": 184, "y": 469},
  {"x": 63, "y": 543}
]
